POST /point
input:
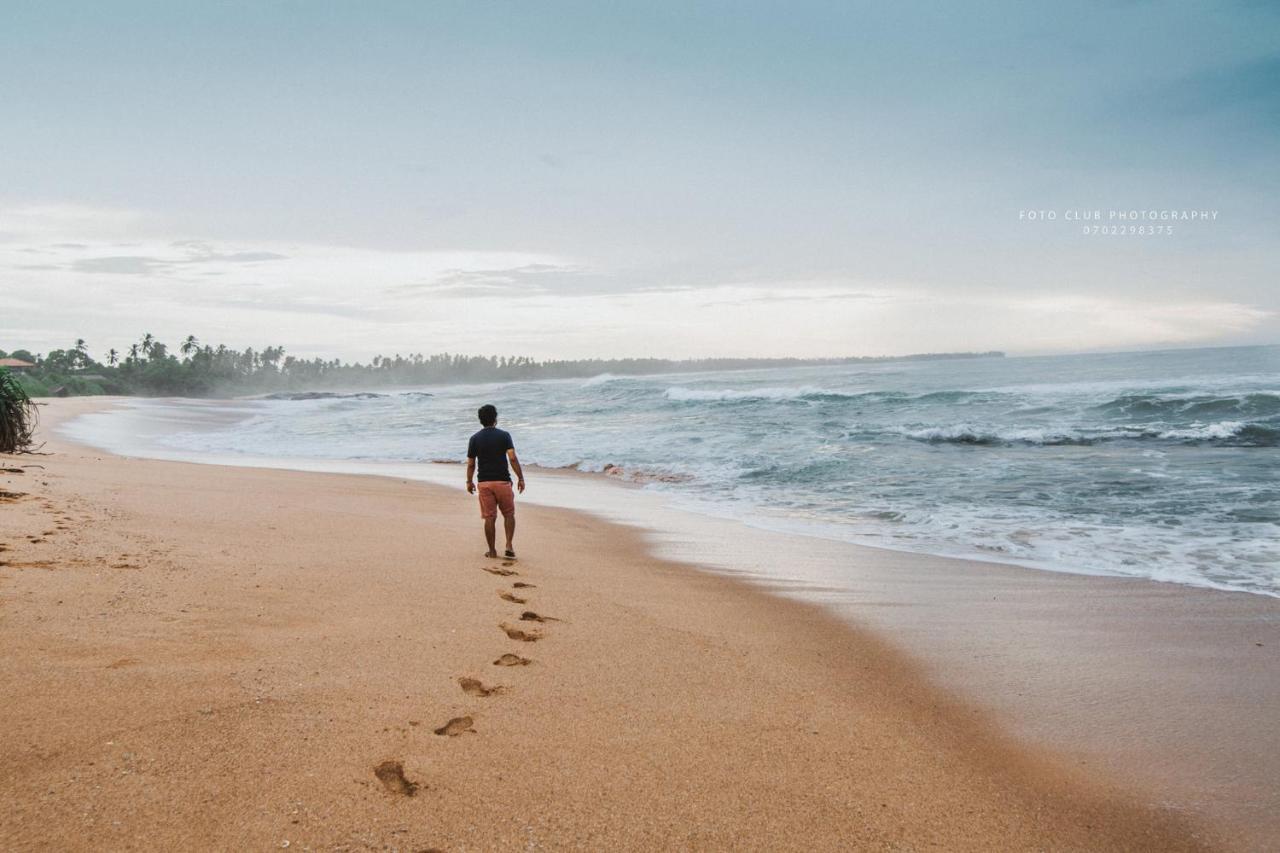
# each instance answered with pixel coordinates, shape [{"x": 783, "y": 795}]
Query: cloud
[
  {"x": 525, "y": 280},
  {"x": 244, "y": 292},
  {"x": 822, "y": 295},
  {"x": 202, "y": 251},
  {"x": 351, "y": 302},
  {"x": 190, "y": 253},
  {"x": 119, "y": 265},
  {"x": 31, "y": 222},
  {"x": 1068, "y": 322},
  {"x": 247, "y": 257},
  {"x": 298, "y": 306},
  {"x": 455, "y": 291}
]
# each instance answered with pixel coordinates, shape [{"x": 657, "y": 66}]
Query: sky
[{"x": 684, "y": 179}]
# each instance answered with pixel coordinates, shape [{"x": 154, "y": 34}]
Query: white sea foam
[
  {"x": 680, "y": 393},
  {"x": 1224, "y": 431},
  {"x": 970, "y": 434},
  {"x": 1221, "y": 430}
]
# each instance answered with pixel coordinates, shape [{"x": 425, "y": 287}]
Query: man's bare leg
[
  {"x": 491, "y": 536},
  {"x": 509, "y": 522}
]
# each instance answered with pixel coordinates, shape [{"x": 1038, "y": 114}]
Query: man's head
[{"x": 488, "y": 415}]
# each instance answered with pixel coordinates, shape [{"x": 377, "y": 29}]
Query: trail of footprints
[
  {"x": 60, "y": 522},
  {"x": 391, "y": 773}
]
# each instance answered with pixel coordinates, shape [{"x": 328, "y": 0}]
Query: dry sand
[{"x": 207, "y": 657}]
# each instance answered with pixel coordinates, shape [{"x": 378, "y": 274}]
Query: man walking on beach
[{"x": 492, "y": 447}]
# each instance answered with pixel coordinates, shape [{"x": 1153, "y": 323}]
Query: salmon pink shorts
[{"x": 496, "y": 495}]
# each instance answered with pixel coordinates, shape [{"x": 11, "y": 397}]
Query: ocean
[{"x": 1161, "y": 465}]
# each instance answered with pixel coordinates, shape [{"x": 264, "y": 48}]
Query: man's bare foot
[{"x": 492, "y": 554}]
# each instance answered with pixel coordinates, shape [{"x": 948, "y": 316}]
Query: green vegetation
[
  {"x": 149, "y": 368},
  {"x": 17, "y": 415}
]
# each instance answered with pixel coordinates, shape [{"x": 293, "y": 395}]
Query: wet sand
[
  {"x": 1172, "y": 689},
  {"x": 220, "y": 657}
]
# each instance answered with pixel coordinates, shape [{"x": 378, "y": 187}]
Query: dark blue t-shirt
[{"x": 489, "y": 448}]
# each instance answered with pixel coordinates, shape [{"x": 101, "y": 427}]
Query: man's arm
[
  {"x": 515, "y": 463},
  {"x": 471, "y": 473}
]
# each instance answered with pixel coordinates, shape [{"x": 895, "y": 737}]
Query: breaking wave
[
  {"x": 1199, "y": 407},
  {"x": 681, "y": 394},
  {"x": 809, "y": 393},
  {"x": 1226, "y": 433}
]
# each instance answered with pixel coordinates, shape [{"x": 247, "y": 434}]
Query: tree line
[{"x": 150, "y": 368}]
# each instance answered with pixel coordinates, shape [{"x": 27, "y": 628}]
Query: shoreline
[
  {"x": 861, "y": 624},
  {"x": 133, "y": 421}
]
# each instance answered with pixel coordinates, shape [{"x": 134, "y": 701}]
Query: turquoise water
[{"x": 1161, "y": 465}]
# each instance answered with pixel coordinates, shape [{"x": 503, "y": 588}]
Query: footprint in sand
[
  {"x": 523, "y": 585},
  {"x": 474, "y": 687},
  {"x": 456, "y": 726},
  {"x": 512, "y": 660},
  {"x": 509, "y": 563},
  {"x": 500, "y": 572},
  {"x": 391, "y": 775},
  {"x": 522, "y": 636},
  {"x": 514, "y": 599},
  {"x": 28, "y": 564},
  {"x": 530, "y": 616}
]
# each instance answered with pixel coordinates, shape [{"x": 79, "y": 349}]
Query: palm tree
[
  {"x": 113, "y": 357},
  {"x": 133, "y": 352},
  {"x": 148, "y": 341},
  {"x": 190, "y": 345}
]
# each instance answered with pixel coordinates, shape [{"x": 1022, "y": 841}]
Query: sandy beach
[
  {"x": 211, "y": 657},
  {"x": 890, "y": 395}
]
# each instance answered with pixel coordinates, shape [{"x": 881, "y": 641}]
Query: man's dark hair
[{"x": 488, "y": 415}]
